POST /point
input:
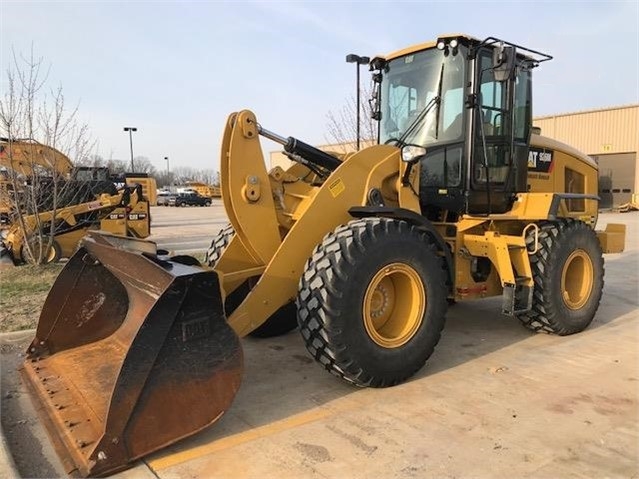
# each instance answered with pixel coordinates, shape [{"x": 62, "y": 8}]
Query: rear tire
[
  {"x": 568, "y": 271},
  {"x": 281, "y": 322},
  {"x": 372, "y": 301}
]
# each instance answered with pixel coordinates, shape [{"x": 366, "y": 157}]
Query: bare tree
[
  {"x": 164, "y": 179},
  {"x": 28, "y": 112},
  {"x": 342, "y": 124},
  {"x": 143, "y": 165},
  {"x": 116, "y": 167},
  {"x": 183, "y": 173},
  {"x": 207, "y": 176}
]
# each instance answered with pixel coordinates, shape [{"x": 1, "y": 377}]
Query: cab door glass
[
  {"x": 522, "y": 108},
  {"x": 492, "y": 116},
  {"x": 492, "y": 127}
]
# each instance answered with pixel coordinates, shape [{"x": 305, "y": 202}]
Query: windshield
[{"x": 410, "y": 84}]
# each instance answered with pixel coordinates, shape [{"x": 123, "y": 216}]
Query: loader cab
[
  {"x": 90, "y": 173},
  {"x": 468, "y": 103}
]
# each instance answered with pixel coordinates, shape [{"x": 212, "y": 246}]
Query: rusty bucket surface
[{"x": 131, "y": 354}]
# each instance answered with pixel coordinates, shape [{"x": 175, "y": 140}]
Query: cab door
[{"x": 501, "y": 135}]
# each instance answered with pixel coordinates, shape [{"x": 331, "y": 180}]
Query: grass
[{"x": 23, "y": 290}]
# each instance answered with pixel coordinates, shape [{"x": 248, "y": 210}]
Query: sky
[{"x": 176, "y": 70}]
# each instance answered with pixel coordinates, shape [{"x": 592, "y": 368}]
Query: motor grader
[{"x": 460, "y": 199}]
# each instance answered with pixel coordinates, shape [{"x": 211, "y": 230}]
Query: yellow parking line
[{"x": 237, "y": 439}]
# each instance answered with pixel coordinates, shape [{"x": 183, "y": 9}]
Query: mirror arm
[{"x": 406, "y": 175}]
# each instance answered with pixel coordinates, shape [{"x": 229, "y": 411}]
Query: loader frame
[{"x": 129, "y": 334}]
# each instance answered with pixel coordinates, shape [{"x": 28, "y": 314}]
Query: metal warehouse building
[{"x": 611, "y": 137}]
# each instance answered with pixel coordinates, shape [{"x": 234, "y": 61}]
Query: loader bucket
[{"x": 131, "y": 354}]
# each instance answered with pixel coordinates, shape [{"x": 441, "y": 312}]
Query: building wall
[
  {"x": 596, "y": 132},
  {"x": 611, "y": 137}
]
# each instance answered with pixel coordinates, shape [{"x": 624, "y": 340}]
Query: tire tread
[
  {"x": 544, "y": 316},
  {"x": 327, "y": 268}
]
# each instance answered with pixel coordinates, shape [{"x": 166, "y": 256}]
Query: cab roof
[
  {"x": 424, "y": 46},
  {"x": 535, "y": 56}
]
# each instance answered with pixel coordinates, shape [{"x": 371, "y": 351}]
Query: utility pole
[
  {"x": 352, "y": 58},
  {"x": 131, "y": 129}
]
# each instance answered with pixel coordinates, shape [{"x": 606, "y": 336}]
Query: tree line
[{"x": 142, "y": 164}]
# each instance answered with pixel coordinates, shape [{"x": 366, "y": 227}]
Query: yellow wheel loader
[
  {"x": 125, "y": 214},
  {"x": 460, "y": 199}
]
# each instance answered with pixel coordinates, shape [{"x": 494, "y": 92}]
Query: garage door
[{"x": 616, "y": 178}]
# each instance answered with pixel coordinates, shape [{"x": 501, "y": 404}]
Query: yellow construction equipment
[
  {"x": 75, "y": 184},
  {"x": 135, "y": 350},
  {"x": 632, "y": 205},
  {"x": 125, "y": 214},
  {"x": 148, "y": 184},
  {"x": 23, "y": 157},
  {"x": 203, "y": 189},
  {"x": 85, "y": 198}
]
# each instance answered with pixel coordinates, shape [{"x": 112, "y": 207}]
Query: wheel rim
[
  {"x": 49, "y": 257},
  {"x": 577, "y": 279},
  {"x": 51, "y": 254},
  {"x": 394, "y": 305}
]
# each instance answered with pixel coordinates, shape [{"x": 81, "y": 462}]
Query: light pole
[
  {"x": 357, "y": 60},
  {"x": 168, "y": 176},
  {"x": 131, "y": 129}
]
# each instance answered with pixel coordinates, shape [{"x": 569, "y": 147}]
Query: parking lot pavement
[
  {"x": 493, "y": 401},
  {"x": 186, "y": 230}
]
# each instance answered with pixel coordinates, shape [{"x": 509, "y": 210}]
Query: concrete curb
[{"x": 8, "y": 468}]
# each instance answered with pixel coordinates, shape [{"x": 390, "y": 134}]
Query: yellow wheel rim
[
  {"x": 577, "y": 279},
  {"x": 50, "y": 255},
  {"x": 394, "y": 305},
  {"x": 35, "y": 249}
]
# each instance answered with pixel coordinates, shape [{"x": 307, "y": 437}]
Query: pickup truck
[
  {"x": 164, "y": 198},
  {"x": 189, "y": 199}
]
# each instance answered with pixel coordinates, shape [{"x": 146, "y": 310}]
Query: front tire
[
  {"x": 568, "y": 271},
  {"x": 372, "y": 301},
  {"x": 281, "y": 322}
]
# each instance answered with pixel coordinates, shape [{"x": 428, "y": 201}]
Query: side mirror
[
  {"x": 412, "y": 153},
  {"x": 504, "y": 62}
]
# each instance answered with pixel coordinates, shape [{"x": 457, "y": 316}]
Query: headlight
[{"x": 412, "y": 153}]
